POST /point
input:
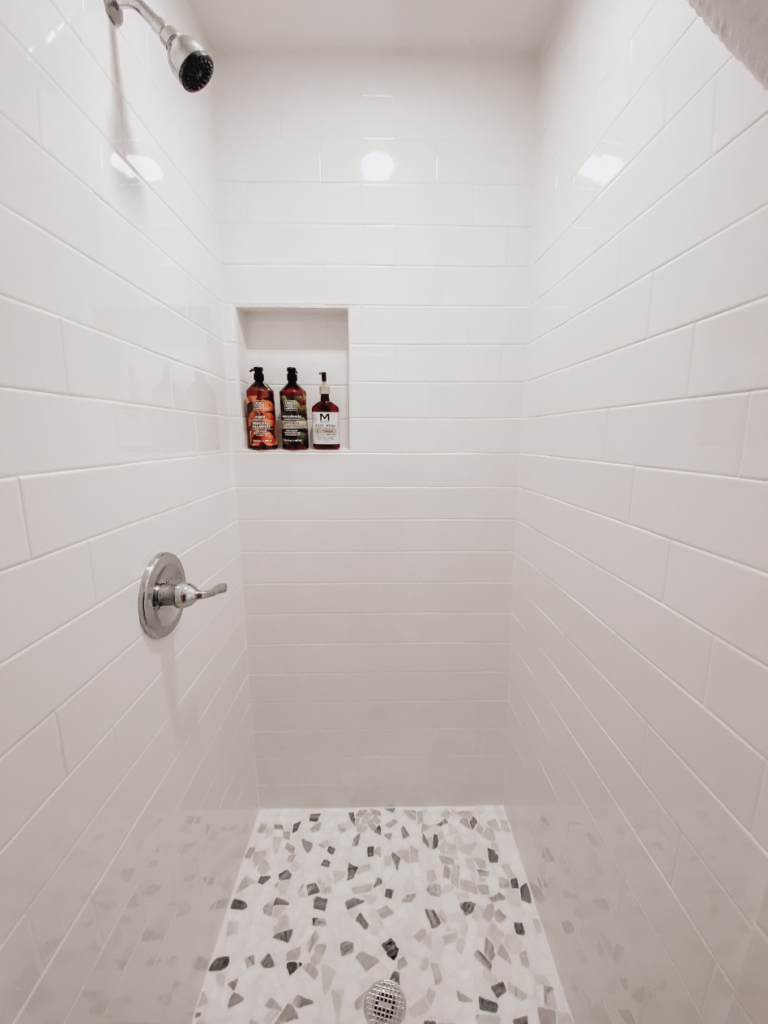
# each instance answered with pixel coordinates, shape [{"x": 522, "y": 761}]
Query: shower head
[
  {"x": 190, "y": 63},
  {"x": 188, "y": 60}
]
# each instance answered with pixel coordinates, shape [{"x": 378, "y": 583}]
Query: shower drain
[{"x": 384, "y": 1001}]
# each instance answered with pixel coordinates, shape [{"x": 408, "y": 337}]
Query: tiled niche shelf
[{"x": 312, "y": 340}]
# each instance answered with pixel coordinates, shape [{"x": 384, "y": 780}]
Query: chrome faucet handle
[
  {"x": 165, "y": 593},
  {"x": 182, "y": 595},
  {"x": 200, "y": 595}
]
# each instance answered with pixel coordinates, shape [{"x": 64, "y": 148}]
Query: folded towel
[{"x": 743, "y": 27}]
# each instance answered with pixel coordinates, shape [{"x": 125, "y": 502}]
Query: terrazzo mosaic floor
[{"x": 329, "y": 902}]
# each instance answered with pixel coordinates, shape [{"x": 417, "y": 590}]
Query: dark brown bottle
[
  {"x": 325, "y": 421},
  {"x": 293, "y": 409},
  {"x": 260, "y": 413}
]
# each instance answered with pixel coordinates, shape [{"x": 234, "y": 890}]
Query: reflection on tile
[{"x": 328, "y": 902}]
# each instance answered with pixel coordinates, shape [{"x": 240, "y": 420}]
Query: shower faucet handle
[
  {"x": 164, "y": 594},
  {"x": 183, "y": 594}
]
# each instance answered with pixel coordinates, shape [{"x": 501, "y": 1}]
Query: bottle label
[
  {"x": 261, "y": 424},
  {"x": 325, "y": 427},
  {"x": 295, "y": 425}
]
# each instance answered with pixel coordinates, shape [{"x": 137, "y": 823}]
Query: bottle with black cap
[
  {"x": 293, "y": 409},
  {"x": 260, "y": 413},
  {"x": 325, "y": 420}
]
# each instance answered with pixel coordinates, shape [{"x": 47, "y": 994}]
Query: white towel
[{"x": 743, "y": 27}]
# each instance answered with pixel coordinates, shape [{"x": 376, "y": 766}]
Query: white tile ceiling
[{"x": 409, "y": 26}]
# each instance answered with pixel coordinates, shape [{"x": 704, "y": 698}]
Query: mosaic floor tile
[{"x": 327, "y": 902}]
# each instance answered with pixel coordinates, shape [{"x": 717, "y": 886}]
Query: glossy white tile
[{"x": 14, "y": 545}]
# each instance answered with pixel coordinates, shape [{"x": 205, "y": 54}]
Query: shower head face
[
  {"x": 384, "y": 1003},
  {"x": 190, "y": 63},
  {"x": 196, "y": 71}
]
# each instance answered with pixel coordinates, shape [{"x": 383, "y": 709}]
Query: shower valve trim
[
  {"x": 189, "y": 61},
  {"x": 164, "y": 594}
]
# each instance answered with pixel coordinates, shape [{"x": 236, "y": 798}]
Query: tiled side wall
[
  {"x": 126, "y": 767},
  {"x": 376, "y": 579},
  {"x": 639, "y": 694}
]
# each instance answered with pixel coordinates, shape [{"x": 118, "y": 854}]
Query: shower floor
[{"x": 327, "y": 902}]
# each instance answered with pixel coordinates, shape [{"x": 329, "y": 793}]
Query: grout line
[{"x": 742, "y": 459}]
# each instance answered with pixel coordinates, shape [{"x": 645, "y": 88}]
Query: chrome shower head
[
  {"x": 188, "y": 59},
  {"x": 190, "y": 63},
  {"x": 384, "y": 1003}
]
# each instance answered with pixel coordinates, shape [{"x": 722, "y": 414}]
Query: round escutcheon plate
[{"x": 157, "y": 621}]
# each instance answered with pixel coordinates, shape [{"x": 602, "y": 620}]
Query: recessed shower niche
[{"x": 314, "y": 340}]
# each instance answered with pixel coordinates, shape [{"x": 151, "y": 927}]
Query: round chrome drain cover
[{"x": 384, "y": 1001}]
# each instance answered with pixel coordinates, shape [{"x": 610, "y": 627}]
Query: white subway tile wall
[
  {"x": 636, "y": 755},
  {"x": 376, "y": 579},
  {"x": 127, "y": 767}
]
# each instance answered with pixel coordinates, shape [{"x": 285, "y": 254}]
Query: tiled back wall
[
  {"x": 376, "y": 579},
  {"x": 126, "y": 765},
  {"x": 639, "y": 698}
]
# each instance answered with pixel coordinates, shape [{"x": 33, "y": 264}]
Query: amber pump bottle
[
  {"x": 325, "y": 420},
  {"x": 293, "y": 409},
  {"x": 260, "y": 413}
]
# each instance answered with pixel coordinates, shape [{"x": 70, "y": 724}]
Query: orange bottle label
[{"x": 262, "y": 431}]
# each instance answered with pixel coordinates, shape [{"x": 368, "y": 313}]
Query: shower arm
[{"x": 155, "y": 22}]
